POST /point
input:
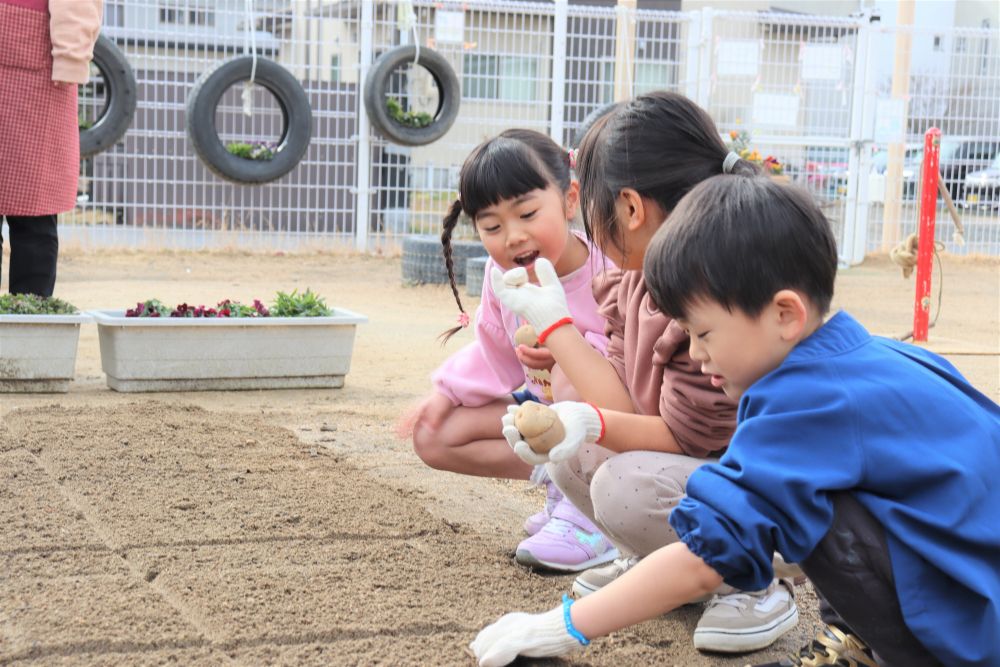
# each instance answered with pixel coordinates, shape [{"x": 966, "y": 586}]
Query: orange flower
[{"x": 733, "y": 134}]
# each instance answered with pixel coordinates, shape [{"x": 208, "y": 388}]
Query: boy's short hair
[{"x": 738, "y": 240}]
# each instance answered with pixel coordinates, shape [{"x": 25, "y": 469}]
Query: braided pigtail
[{"x": 450, "y": 221}]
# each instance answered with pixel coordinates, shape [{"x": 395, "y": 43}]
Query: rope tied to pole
[{"x": 904, "y": 255}]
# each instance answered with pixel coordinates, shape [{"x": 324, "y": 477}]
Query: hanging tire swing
[
  {"x": 295, "y": 111},
  {"x": 589, "y": 120},
  {"x": 120, "y": 88},
  {"x": 377, "y": 87}
]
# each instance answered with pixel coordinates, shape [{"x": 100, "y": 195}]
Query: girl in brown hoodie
[{"x": 660, "y": 417}]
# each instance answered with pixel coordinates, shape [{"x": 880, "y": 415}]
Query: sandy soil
[{"x": 291, "y": 527}]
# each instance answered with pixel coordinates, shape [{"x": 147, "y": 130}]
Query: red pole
[{"x": 925, "y": 241}]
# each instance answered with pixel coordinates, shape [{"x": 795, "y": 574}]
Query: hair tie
[
  {"x": 463, "y": 320},
  {"x": 572, "y": 153},
  {"x": 730, "y": 162}
]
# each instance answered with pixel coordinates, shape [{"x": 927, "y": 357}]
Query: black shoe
[{"x": 829, "y": 647}]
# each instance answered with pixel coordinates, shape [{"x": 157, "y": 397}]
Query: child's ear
[
  {"x": 572, "y": 200},
  {"x": 792, "y": 314},
  {"x": 634, "y": 207}
]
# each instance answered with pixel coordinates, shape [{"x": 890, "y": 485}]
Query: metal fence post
[
  {"x": 557, "y": 119},
  {"x": 692, "y": 55},
  {"x": 705, "y": 58},
  {"x": 363, "y": 156},
  {"x": 852, "y": 249}
]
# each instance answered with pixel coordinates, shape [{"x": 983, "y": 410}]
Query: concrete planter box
[
  {"x": 38, "y": 352},
  {"x": 200, "y": 354}
]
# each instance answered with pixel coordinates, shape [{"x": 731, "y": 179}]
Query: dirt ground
[{"x": 291, "y": 527}]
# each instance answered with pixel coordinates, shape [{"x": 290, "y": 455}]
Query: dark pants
[
  {"x": 851, "y": 571},
  {"x": 34, "y": 251}
]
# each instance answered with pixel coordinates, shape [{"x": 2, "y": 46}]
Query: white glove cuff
[{"x": 552, "y": 636}]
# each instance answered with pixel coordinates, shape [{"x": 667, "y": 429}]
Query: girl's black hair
[
  {"x": 660, "y": 144},
  {"x": 512, "y": 164}
]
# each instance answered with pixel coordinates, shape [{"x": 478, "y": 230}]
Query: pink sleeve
[
  {"x": 700, "y": 416},
  {"x": 485, "y": 369},
  {"x": 607, "y": 288},
  {"x": 73, "y": 28}
]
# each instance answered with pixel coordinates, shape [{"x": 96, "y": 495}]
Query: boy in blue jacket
[{"x": 871, "y": 463}]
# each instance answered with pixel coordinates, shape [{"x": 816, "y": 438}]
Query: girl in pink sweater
[
  {"x": 518, "y": 192},
  {"x": 659, "y": 416}
]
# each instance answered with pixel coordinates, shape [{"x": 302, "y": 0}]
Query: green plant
[
  {"x": 307, "y": 304},
  {"x": 84, "y": 123},
  {"x": 408, "y": 118},
  {"x": 30, "y": 304},
  {"x": 253, "y": 150}
]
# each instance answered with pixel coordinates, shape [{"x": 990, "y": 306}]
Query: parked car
[
  {"x": 982, "y": 188},
  {"x": 826, "y": 170},
  {"x": 957, "y": 158},
  {"x": 967, "y": 156}
]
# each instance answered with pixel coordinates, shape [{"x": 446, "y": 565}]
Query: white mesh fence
[{"x": 814, "y": 92}]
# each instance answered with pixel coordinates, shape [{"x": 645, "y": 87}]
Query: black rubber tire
[
  {"x": 296, "y": 132},
  {"x": 423, "y": 259},
  {"x": 120, "y": 87},
  {"x": 475, "y": 269},
  {"x": 376, "y": 85},
  {"x": 589, "y": 120}
]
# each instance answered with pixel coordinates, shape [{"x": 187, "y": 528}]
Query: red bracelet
[
  {"x": 548, "y": 332},
  {"x": 601, "y": 417}
]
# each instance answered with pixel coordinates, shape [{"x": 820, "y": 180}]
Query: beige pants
[{"x": 628, "y": 496}]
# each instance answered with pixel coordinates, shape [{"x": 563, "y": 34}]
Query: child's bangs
[{"x": 504, "y": 169}]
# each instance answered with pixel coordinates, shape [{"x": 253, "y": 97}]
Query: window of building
[
  {"x": 335, "y": 75},
  {"x": 607, "y": 82},
  {"x": 938, "y": 43},
  {"x": 518, "y": 78},
  {"x": 202, "y": 17},
  {"x": 171, "y": 15},
  {"x": 114, "y": 14},
  {"x": 479, "y": 76},
  {"x": 494, "y": 77},
  {"x": 651, "y": 76}
]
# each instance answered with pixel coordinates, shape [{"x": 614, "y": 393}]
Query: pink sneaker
[
  {"x": 537, "y": 521},
  {"x": 569, "y": 542}
]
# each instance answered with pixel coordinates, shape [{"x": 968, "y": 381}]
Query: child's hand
[
  {"x": 542, "y": 305},
  {"x": 428, "y": 414},
  {"x": 530, "y": 635},
  {"x": 537, "y": 358},
  {"x": 582, "y": 422}
]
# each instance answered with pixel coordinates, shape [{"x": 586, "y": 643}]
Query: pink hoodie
[
  {"x": 650, "y": 352},
  {"x": 487, "y": 368}
]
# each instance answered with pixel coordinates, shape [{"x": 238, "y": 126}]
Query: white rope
[
  {"x": 249, "y": 44},
  {"x": 406, "y": 19},
  {"x": 416, "y": 41}
]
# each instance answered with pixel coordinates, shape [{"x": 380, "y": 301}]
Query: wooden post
[
  {"x": 925, "y": 241},
  {"x": 897, "y": 151},
  {"x": 624, "y": 49}
]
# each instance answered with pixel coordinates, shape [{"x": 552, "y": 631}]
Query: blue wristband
[{"x": 573, "y": 632}]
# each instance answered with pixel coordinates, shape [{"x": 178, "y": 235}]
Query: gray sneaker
[
  {"x": 597, "y": 578},
  {"x": 742, "y": 621}
]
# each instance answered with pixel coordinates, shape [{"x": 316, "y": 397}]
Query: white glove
[
  {"x": 582, "y": 422},
  {"x": 531, "y": 635},
  {"x": 541, "y": 305}
]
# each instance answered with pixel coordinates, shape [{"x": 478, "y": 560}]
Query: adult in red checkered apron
[{"x": 47, "y": 45}]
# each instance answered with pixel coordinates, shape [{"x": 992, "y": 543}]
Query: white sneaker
[
  {"x": 597, "y": 578},
  {"x": 742, "y": 621}
]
